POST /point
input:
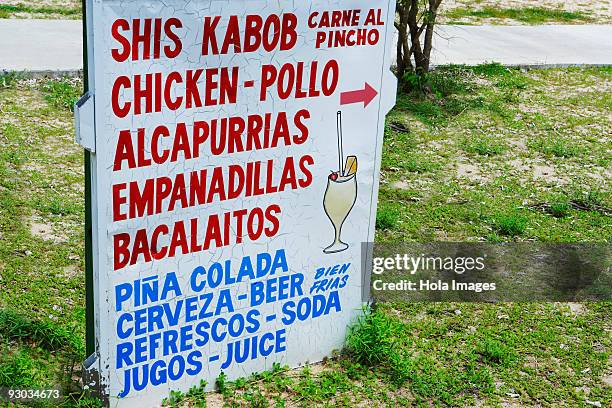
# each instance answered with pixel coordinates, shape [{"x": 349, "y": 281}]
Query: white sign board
[{"x": 235, "y": 176}]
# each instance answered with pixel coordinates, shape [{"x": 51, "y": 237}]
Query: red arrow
[{"x": 365, "y": 95}]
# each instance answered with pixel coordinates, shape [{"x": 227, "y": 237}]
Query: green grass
[
  {"x": 453, "y": 91},
  {"x": 416, "y": 354},
  {"x": 15, "y": 327},
  {"x": 415, "y": 163},
  {"x": 592, "y": 199},
  {"x": 419, "y": 354},
  {"x": 39, "y": 354},
  {"x": 483, "y": 145},
  {"x": 509, "y": 123},
  {"x": 491, "y": 69},
  {"x": 6, "y": 11},
  {"x": 386, "y": 217},
  {"x": 9, "y": 79},
  {"x": 495, "y": 352},
  {"x": 42, "y": 302},
  {"x": 62, "y": 94},
  {"x": 196, "y": 394},
  {"x": 528, "y": 15},
  {"x": 560, "y": 209},
  {"x": 373, "y": 341},
  {"x": 555, "y": 146},
  {"x": 510, "y": 225}
]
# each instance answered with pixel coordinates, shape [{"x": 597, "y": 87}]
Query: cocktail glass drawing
[
  {"x": 339, "y": 200},
  {"x": 341, "y": 193}
]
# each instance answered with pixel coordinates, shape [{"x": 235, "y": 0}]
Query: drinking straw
[{"x": 340, "y": 152}]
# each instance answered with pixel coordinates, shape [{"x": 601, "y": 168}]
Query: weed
[
  {"x": 57, "y": 205},
  {"x": 255, "y": 399},
  {"x": 555, "y": 146},
  {"x": 196, "y": 396},
  {"x": 371, "y": 341},
  {"x": 591, "y": 199},
  {"x": 386, "y": 218},
  {"x": 85, "y": 400},
  {"x": 513, "y": 82},
  {"x": 503, "y": 77},
  {"x": 443, "y": 81},
  {"x": 18, "y": 370},
  {"x": 560, "y": 209},
  {"x": 491, "y": 69},
  {"x": 321, "y": 388},
  {"x": 415, "y": 81},
  {"x": 451, "y": 80},
  {"x": 497, "y": 353},
  {"x": 510, "y": 225},
  {"x": 221, "y": 383},
  {"x": 415, "y": 164},
  {"x": 45, "y": 334},
  {"x": 379, "y": 341},
  {"x": 427, "y": 110},
  {"x": 483, "y": 145},
  {"x": 9, "y": 79},
  {"x": 14, "y": 157},
  {"x": 62, "y": 93},
  {"x": 434, "y": 111}
]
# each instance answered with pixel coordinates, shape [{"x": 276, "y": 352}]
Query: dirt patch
[
  {"x": 71, "y": 271},
  {"x": 441, "y": 235},
  {"x": 519, "y": 164},
  {"x": 43, "y": 230},
  {"x": 470, "y": 172},
  {"x": 400, "y": 185},
  {"x": 511, "y": 404},
  {"x": 517, "y": 145},
  {"x": 316, "y": 369},
  {"x": 547, "y": 174},
  {"x": 584, "y": 389},
  {"x": 577, "y": 308},
  {"x": 214, "y": 400},
  {"x": 29, "y": 97},
  {"x": 532, "y": 362}
]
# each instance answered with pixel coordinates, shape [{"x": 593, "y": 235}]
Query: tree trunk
[
  {"x": 429, "y": 32},
  {"x": 415, "y": 18},
  {"x": 404, "y": 64}
]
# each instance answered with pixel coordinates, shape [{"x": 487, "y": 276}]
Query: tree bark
[
  {"x": 432, "y": 14},
  {"x": 404, "y": 63},
  {"x": 415, "y": 18}
]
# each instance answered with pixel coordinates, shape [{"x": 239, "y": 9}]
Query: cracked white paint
[{"x": 304, "y": 229}]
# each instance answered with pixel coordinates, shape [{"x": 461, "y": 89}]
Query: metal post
[{"x": 90, "y": 344}]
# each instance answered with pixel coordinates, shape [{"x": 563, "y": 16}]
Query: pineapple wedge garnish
[{"x": 350, "y": 167}]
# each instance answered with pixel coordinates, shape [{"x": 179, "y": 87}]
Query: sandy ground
[{"x": 599, "y": 10}]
